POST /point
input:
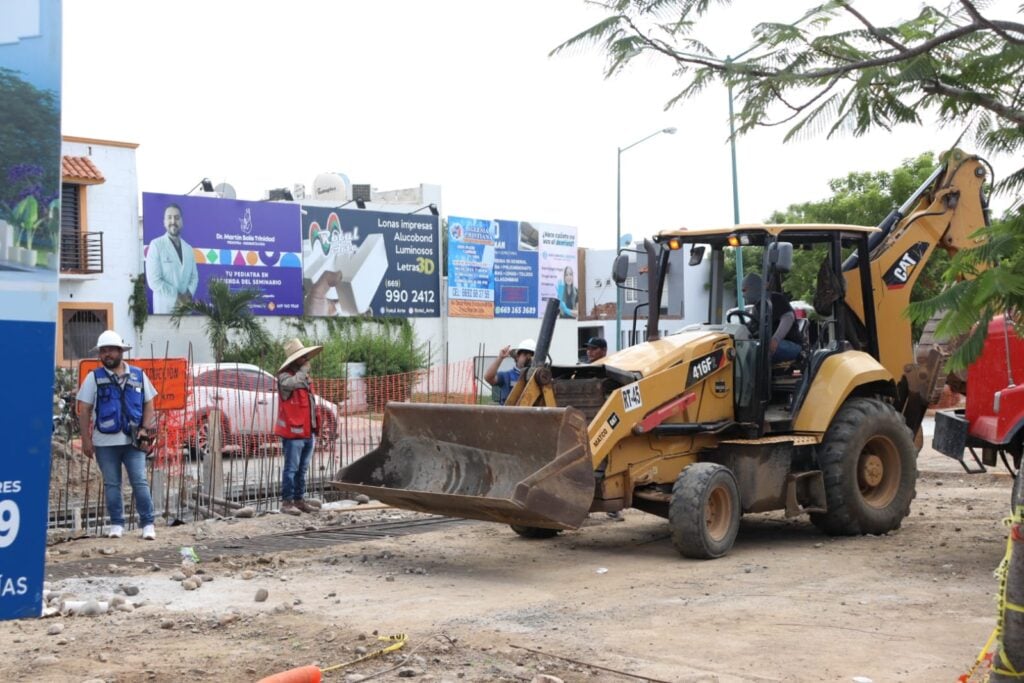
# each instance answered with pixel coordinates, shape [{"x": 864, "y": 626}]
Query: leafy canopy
[{"x": 832, "y": 69}]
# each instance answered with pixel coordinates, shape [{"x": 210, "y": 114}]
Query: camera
[{"x": 141, "y": 439}]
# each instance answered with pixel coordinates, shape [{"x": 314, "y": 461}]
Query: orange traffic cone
[{"x": 303, "y": 674}]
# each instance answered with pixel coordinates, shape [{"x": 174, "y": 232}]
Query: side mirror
[
  {"x": 696, "y": 255},
  {"x": 780, "y": 255},
  {"x": 620, "y": 269}
]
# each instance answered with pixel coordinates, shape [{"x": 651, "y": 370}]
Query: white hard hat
[
  {"x": 111, "y": 338},
  {"x": 525, "y": 345}
]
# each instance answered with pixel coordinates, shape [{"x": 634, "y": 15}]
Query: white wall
[
  {"x": 465, "y": 337},
  {"x": 113, "y": 209}
]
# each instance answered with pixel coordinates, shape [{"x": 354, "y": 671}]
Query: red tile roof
[{"x": 80, "y": 171}]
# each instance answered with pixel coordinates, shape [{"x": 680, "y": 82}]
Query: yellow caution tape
[
  {"x": 397, "y": 640},
  {"x": 1004, "y": 667}
]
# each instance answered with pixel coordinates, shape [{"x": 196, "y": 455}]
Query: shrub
[{"x": 386, "y": 349}]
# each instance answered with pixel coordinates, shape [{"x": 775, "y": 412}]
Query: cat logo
[{"x": 899, "y": 274}]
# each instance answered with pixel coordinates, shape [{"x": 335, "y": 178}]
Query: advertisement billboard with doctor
[{"x": 192, "y": 240}]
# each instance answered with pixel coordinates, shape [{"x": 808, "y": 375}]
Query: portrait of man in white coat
[{"x": 171, "y": 265}]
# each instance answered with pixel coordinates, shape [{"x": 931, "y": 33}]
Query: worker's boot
[
  {"x": 288, "y": 508},
  {"x": 306, "y": 507}
]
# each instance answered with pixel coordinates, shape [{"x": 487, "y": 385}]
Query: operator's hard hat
[
  {"x": 525, "y": 345},
  {"x": 111, "y": 338}
]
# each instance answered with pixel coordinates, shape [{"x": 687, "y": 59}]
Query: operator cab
[{"x": 767, "y": 396}]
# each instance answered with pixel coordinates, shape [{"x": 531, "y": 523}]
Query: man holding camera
[{"x": 118, "y": 426}]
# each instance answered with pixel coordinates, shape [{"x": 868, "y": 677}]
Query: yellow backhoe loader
[{"x": 699, "y": 426}]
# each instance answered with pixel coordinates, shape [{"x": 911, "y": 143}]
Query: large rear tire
[
  {"x": 704, "y": 513},
  {"x": 869, "y": 464},
  {"x": 535, "y": 531}
]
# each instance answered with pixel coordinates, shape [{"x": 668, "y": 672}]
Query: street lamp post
[
  {"x": 735, "y": 201},
  {"x": 618, "y": 224}
]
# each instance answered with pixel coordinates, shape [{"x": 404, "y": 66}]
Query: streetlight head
[{"x": 670, "y": 131}]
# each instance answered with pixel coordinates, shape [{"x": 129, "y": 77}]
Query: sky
[{"x": 459, "y": 93}]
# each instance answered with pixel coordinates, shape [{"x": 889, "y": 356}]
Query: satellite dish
[
  {"x": 225, "y": 190},
  {"x": 332, "y": 186}
]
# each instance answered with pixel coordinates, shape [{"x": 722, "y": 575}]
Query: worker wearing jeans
[
  {"x": 110, "y": 459},
  {"x": 296, "y": 424},
  {"x": 114, "y": 400},
  {"x": 297, "y": 453}
]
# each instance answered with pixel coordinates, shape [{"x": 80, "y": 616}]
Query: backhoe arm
[{"x": 944, "y": 213}]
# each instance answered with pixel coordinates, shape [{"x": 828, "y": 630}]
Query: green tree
[
  {"x": 834, "y": 70},
  {"x": 226, "y": 312},
  {"x": 859, "y": 198},
  {"x": 862, "y": 198},
  {"x": 29, "y": 131}
]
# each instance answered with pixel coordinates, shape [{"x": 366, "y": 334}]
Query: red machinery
[{"x": 993, "y": 419}]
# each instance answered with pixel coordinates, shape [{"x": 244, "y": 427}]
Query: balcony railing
[{"x": 81, "y": 253}]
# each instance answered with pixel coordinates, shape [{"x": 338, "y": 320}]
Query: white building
[{"x": 101, "y": 244}]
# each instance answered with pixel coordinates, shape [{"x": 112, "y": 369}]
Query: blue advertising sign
[
  {"x": 515, "y": 271},
  {"x": 30, "y": 59},
  {"x": 471, "y": 266},
  {"x": 358, "y": 261},
  {"x": 249, "y": 245}
]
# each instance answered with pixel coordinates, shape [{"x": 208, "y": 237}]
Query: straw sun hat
[{"x": 294, "y": 349}]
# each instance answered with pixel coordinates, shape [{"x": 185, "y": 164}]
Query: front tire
[
  {"x": 704, "y": 513},
  {"x": 869, "y": 463}
]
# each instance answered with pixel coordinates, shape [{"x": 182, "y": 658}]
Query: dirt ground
[{"x": 612, "y": 601}]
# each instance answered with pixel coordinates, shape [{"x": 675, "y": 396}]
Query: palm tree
[{"x": 225, "y": 311}]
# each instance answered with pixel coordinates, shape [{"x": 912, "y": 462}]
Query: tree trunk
[{"x": 1009, "y": 656}]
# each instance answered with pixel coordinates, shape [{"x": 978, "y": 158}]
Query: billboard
[
  {"x": 30, "y": 167},
  {"x": 358, "y": 262},
  {"x": 509, "y": 269},
  {"x": 249, "y": 245},
  {"x": 471, "y": 266},
  {"x": 556, "y": 270}
]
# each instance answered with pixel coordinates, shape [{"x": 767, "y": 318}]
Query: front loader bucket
[{"x": 524, "y": 466}]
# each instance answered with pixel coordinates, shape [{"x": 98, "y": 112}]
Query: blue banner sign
[
  {"x": 471, "y": 266},
  {"x": 30, "y": 167}
]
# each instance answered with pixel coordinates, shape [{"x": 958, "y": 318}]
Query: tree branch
[
  {"x": 921, "y": 49},
  {"x": 979, "y": 19},
  {"x": 937, "y": 87},
  {"x": 873, "y": 30}
]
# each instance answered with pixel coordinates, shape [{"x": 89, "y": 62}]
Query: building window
[
  {"x": 629, "y": 294},
  {"x": 79, "y": 325}
]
